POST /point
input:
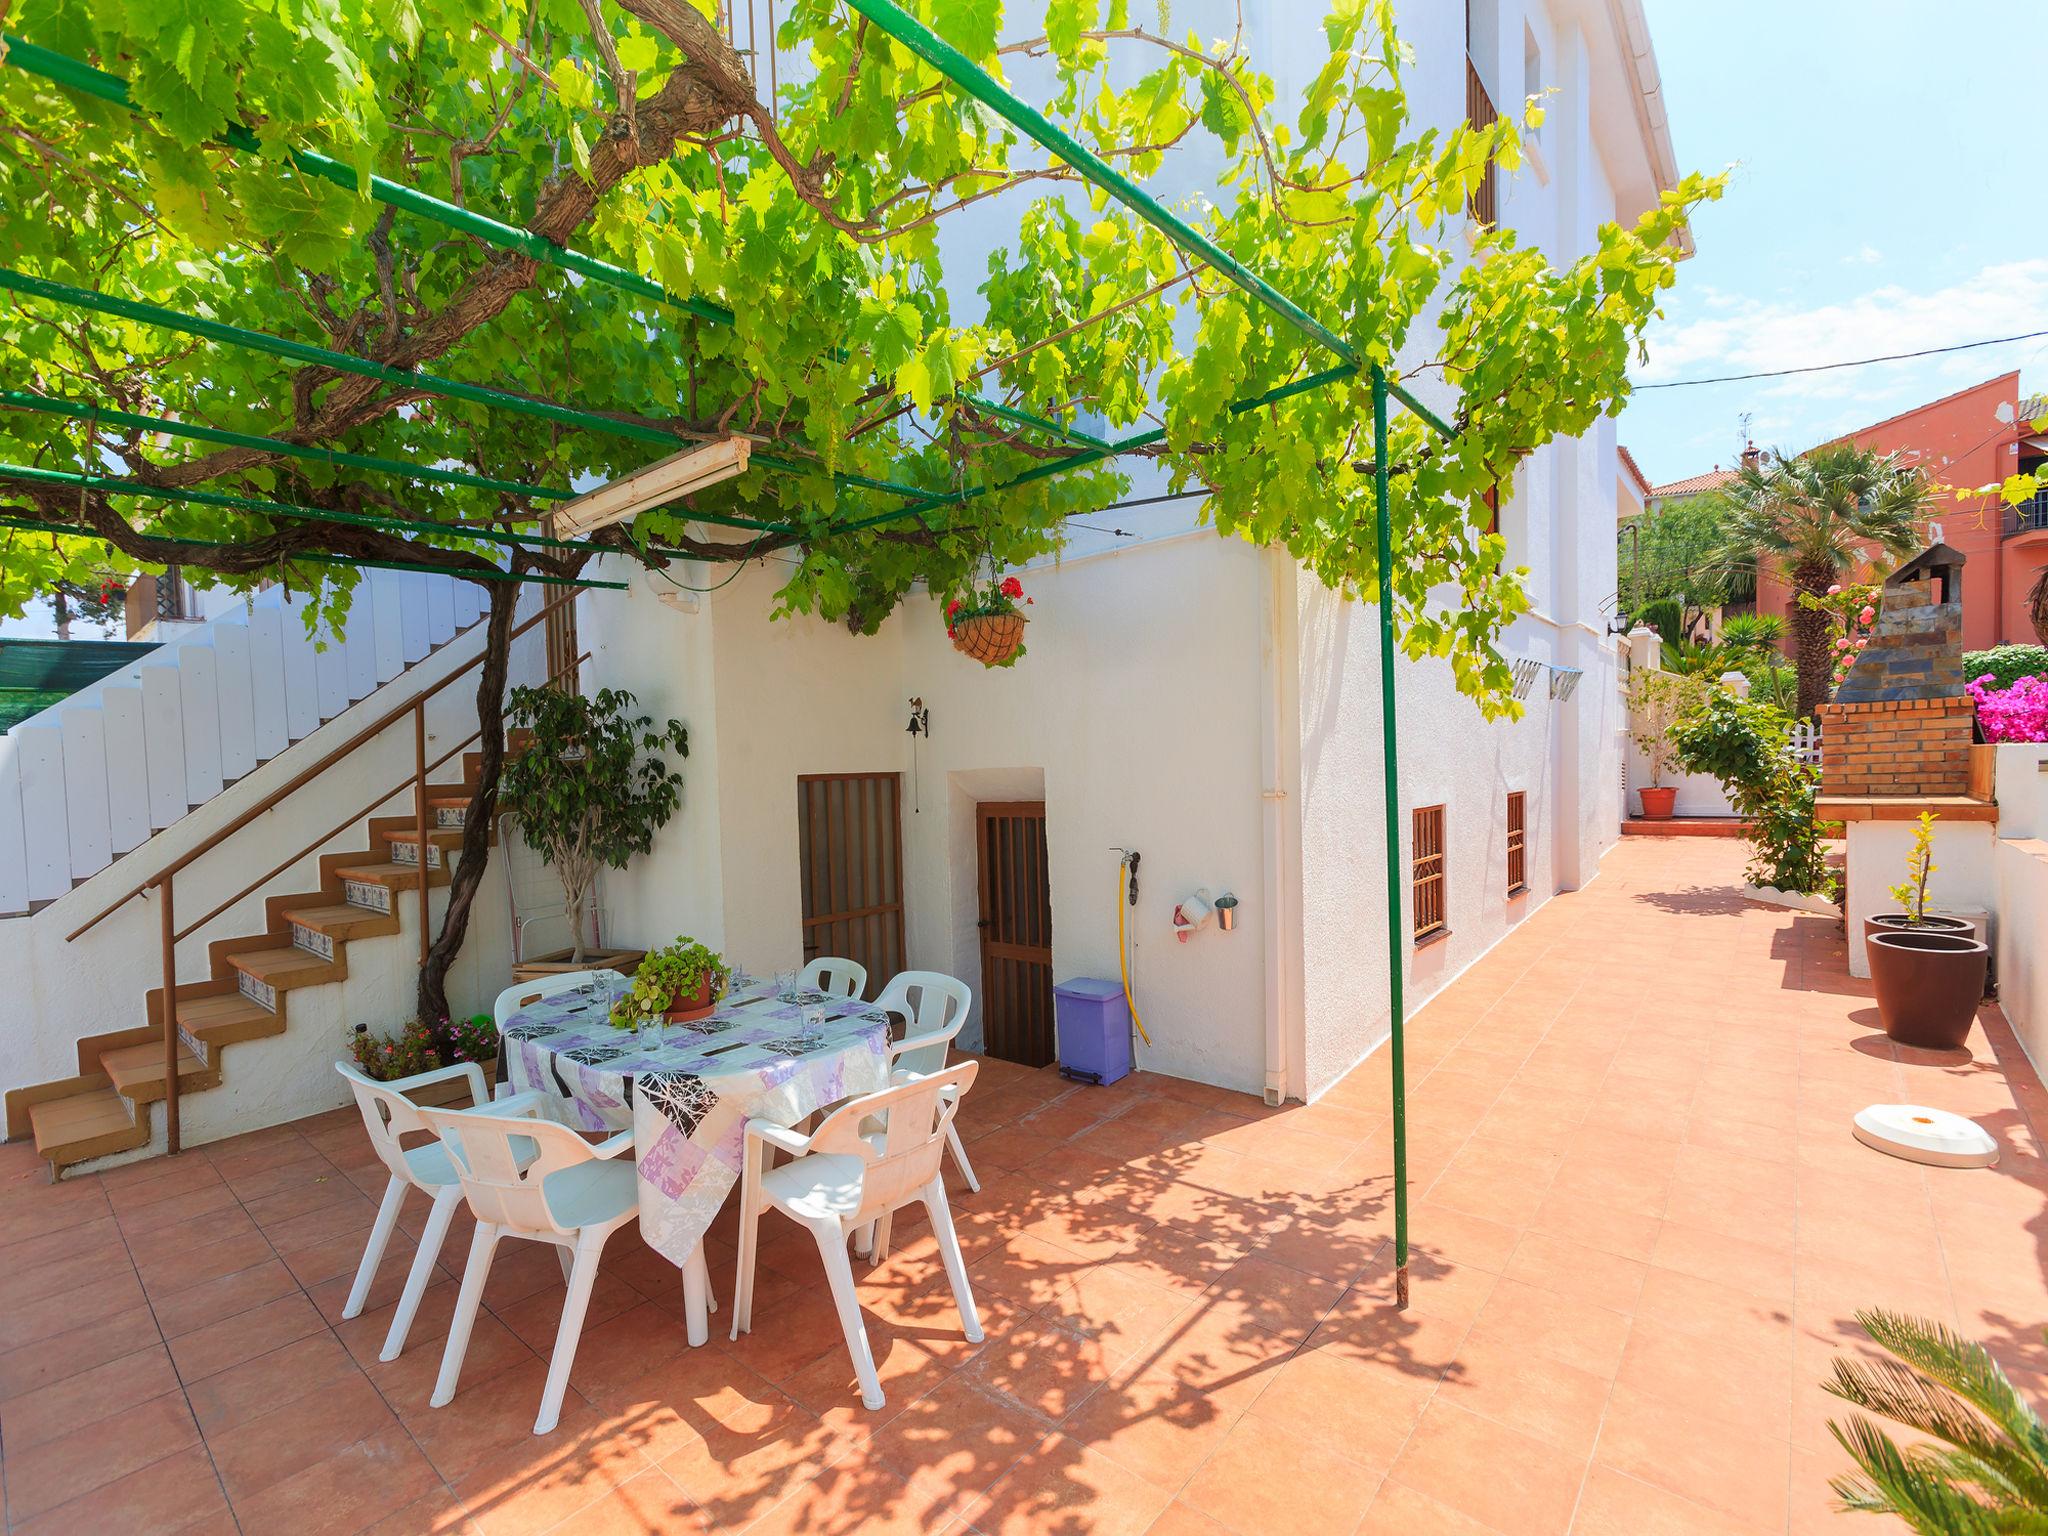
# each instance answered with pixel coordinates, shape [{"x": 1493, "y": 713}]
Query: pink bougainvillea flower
[{"x": 1835, "y": 591}]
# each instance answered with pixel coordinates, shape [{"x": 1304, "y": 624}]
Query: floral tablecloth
[{"x": 688, "y": 1098}]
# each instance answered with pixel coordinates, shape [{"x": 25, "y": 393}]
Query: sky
[{"x": 1886, "y": 196}]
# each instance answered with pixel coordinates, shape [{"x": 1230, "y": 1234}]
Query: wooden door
[
  {"x": 850, "y": 848},
  {"x": 1016, "y": 932}
]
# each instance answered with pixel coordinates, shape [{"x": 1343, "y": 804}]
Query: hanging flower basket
[
  {"x": 988, "y": 625},
  {"x": 990, "y": 638}
]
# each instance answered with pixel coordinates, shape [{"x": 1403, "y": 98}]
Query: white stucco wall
[
  {"x": 1963, "y": 882},
  {"x": 2020, "y": 890}
]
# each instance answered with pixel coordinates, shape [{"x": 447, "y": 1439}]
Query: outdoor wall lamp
[{"x": 659, "y": 483}]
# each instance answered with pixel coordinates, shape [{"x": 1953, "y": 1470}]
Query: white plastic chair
[
  {"x": 570, "y": 1194},
  {"x": 870, "y": 1156},
  {"x": 389, "y": 1116},
  {"x": 842, "y": 978},
  {"x": 522, "y": 993},
  {"x": 931, "y": 1020}
]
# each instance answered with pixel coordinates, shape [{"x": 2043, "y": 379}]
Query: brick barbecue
[{"x": 1900, "y": 723}]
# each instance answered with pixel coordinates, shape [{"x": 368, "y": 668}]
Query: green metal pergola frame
[{"x": 963, "y": 73}]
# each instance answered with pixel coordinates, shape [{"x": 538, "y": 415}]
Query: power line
[{"x": 1861, "y": 362}]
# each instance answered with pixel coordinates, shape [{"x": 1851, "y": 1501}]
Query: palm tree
[
  {"x": 1989, "y": 1472},
  {"x": 1816, "y": 516}
]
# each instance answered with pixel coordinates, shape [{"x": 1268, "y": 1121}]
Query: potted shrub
[
  {"x": 591, "y": 790},
  {"x": 680, "y": 982},
  {"x": 1657, "y": 700},
  {"x": 1911, "y": 894},
  {"x": 1928, "y": 979},
  {"x": 987, "y": 623}
]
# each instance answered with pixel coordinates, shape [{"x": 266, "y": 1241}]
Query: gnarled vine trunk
[{"x": 483, "y": 805}]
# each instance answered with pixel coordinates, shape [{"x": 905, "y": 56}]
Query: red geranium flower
[
  {"x": 1012, "y": 587},
  {"x": 953, "y": 607}
]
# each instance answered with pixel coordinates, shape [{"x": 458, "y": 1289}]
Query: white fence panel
[
  {"x": 412, "y": 611},
  {"x": 13, "y": 852},
  {"x": 85, "y": 790},
  {"x": 199, "y": 703},
  {"x": 45, "y": 824},
  {"x": 469, "y": 605},
  {"x": 127, "y": 767},
  {"x": 359, "y": 632},
  {"x": 302, "y": 714},
  {"x": 237, "y": 704},
  {"x": 266, "y": 682},
  {"x": 441, "y": 609},
  {"x": 387, "y": 620},
  {"x": 331, "y": 667},
  {"x": 163, "y": 719}
]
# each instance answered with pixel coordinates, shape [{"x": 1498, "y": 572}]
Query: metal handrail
[
  {"x": 306, "y": 775},
  {"x": 421, "y": 768},
  {"x": 2030, "y": 515}
]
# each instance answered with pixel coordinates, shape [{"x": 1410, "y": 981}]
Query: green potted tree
[
  {"x": 1928, "y": 978},
  {"x": 1657, "y": 700},
  {"x": 679, "y": 982},
  {"x": 591, "y": 790}
]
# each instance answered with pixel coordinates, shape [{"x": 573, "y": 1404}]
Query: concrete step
[
  {"x": 84, "y": 1125},
  {"x": 137, "y": 1072}
]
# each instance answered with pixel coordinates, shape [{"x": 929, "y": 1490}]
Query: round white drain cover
[{"x": 1924, "y": 1135}]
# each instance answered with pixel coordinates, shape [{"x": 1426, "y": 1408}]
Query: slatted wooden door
[
  {"x": 1016, "y": 932},
  {"x": 850, "y": 846}
]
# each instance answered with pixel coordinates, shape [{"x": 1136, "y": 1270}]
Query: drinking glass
[
  {"x": 739, "y": 980},
  {"x": 813, "y": 1017},
  {"x": 785, "y": 985}
]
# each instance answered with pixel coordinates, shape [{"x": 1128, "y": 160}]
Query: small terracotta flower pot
[
  {"x": 1658, "y": 799},
  {"x": 1928, "y": 985},
  {"x": 990, "y": 638},
  {"x": 681, "y": 1010}
]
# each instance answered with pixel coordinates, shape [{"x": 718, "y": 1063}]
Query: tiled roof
[
  {"x": 1713, "y": 479},
  {"x": 1635, "y": 470}
]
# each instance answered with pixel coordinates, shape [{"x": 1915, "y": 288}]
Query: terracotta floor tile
[
  {"x": 260, "y": 1452},
  {"x": 76, "y": 1306},
  {"x": 1265, "y": 1477},
  {"x": 268, "y": 1382},
  {"x": 244, "y": 1336},
  {"x": 957, "y": 1440},
  {"x": 175, "y": 1493},
  {"x": 1572, "y": 1269},
  {"x": 539, "y": 1482},
  {"x": 492, "y": 1417},
  {"x": 64, "y": 1355},
  {"x": 1740, "y": 1474},
  {"x": 1156, "y": 1426},
  {"x": 1059, "y": 1485},
  {"x": 1363, "y": 1410},
  {"x": 212, "y": 1301},
  {"x": 1399, "y": 1510},
  {"x": 1615, "y": 1505},
  {"x": 66, "y": 1406},
  {"x": 1494, "y": 1474},
  {"x": 379, "y": 1476},
  {"x": 59, "y": 1470},
  {"x": 1501, "y": 1379},
  {"x": 1728, "y": 1385}
]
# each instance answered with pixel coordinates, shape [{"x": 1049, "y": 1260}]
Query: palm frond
[
  {"x": 1907, "y": 1485},
  {"x": 1963, "y": 1366}
]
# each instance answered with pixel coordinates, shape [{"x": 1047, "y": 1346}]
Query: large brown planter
[
  {"x": 1928, "y": 985},
  {"x": 699, "y": 1004},
  {"x": 1658, "y": 799}
]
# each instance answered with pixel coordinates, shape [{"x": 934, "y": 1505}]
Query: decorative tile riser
[
  {"x": 261, "y": 993},
  {"x": 451, "y": 817},
  {"x": 312, "y": 943},
  {"x": 408, "y": 853},
  {"x": 195, "y": 1045},
  {"x": 366, "y": 894}
]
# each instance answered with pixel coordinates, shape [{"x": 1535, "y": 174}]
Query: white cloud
[
  {"x": 1865, "y": 256},
  {"x": 1752, "y": 336}
]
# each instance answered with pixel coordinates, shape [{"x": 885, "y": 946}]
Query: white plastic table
[{"x": 687, "y": 1097}]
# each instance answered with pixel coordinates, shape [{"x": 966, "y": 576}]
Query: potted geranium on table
[
  {"x": 987, "y": 623},
  {"x": 678, "y": 982}
]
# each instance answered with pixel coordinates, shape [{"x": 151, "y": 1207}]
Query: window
[
  {"x": 1428, "y": 892},
  {"x": 1518, "y": 843}
]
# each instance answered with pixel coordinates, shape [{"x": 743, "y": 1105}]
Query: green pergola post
[{"x": 1397, "y": 954}]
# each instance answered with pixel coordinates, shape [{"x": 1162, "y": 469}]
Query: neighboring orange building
[{"x": 1976, "y": 436}]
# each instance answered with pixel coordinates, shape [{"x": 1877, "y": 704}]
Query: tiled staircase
[{"x": 103, "y": 1109}]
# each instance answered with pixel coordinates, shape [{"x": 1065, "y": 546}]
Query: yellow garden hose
[{"x": 1123, "y": 870}]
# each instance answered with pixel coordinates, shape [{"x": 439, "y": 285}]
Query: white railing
[
  {"x": 94, "y": 776},
  {"x": 1805, "y": 743}
]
